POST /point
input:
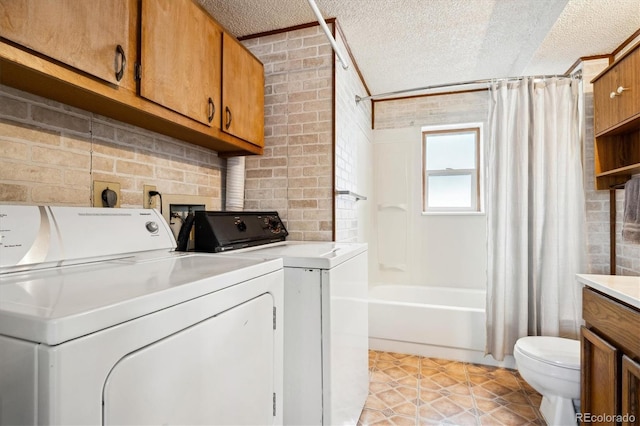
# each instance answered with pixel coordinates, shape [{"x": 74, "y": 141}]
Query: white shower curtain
[{"x": 535, "y": 211}]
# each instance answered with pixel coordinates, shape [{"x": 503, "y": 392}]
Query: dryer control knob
[
  {"x": 274, "y": 226},
  {"x": 152, "y": 227},
  {"x": 241, "y": 225}
]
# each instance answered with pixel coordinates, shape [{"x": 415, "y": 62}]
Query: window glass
[
  {"x": 451, "y": 169},
  {"x": 449, "y": 191},
  {"x": 451, "y": 151}
]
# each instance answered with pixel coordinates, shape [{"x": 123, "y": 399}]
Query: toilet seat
[{"x": 556, "y": 351}]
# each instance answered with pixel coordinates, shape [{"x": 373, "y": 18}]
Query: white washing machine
[
  {"x": 101, "y": 322},
  {"x": 326, "y": 379}
]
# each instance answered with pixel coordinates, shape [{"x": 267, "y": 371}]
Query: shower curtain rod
[
  {"x": 327, "y": 32},
  {"x": 577, "y": 74}
]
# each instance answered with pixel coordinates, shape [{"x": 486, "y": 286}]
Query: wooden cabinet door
[
  {"x": 180, "y": 57},
  {"x": 84, "y": 34},
  {"x": 242, "y": 92},
  {"x": 598, "y": 381},
  {"x": 629, "y": 79},
  {"x": 616, "y": 94},
  {"x": 630, "y": 392},
  {"x": 605, "y": 107}
]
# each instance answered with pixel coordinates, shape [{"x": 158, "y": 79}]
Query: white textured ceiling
[{"x": 406, "y": 44}]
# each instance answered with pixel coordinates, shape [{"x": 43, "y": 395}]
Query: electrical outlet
[
  {"x": 148, "y": 202},
  {"x": 99, "y": 187}
]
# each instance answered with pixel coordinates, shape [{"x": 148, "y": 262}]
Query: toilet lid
[{"x": 552, "y": 350}]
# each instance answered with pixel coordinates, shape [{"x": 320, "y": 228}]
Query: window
[{"x": 451, "y": 163}]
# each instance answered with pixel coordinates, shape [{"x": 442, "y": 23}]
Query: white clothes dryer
[
  {"x": 326, "y": 376},
  {"x": 102, "y": 323}
]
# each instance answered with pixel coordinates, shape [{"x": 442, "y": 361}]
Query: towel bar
[{"x": 358, "y": 197}]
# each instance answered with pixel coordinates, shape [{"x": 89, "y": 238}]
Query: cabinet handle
[
  {"x": 123, "y": 62},
  {"x": 212, "y": 110},
  {"x": 618, "y": 92},
  {"x": 229, "y": 117}
]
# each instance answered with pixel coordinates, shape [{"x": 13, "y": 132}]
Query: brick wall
[
  {"x": 295, "y": 174},
  {"x": 51, "y": 154},
  {"x": 468, "y": 107}
]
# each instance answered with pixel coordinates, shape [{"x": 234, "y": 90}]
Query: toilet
[{"x": 551, "y": 365}]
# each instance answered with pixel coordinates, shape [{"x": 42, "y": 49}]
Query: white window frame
[{"x": 476, "y": 195}]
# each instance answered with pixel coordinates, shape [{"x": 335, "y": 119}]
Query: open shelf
[
  {"x": 617, "y": 158},
  {"x": 626, "y": 170}
]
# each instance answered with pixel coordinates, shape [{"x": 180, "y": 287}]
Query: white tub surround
[
  {"x": 423, "y": 250},
  {"x": 438, "y": 322},
  {"x": 623, "y": 288}
]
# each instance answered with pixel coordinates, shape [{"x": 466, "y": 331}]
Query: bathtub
[{"x": 429, "y": 321}]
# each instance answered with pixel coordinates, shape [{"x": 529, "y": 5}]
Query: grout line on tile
[{"x": 385, "y": 414}]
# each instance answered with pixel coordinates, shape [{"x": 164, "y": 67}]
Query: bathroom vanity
[{"x": 610, "y": 349}]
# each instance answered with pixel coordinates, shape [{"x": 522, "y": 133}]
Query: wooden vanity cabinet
[
  {"x": 181, "y": 59},
  {"x": 610, "y": 358},
  {"x": 616, "y": 97},
  {"x": 599, "y": 375},
  {"x": 94, "y": 36},
  {"x": 630, "y": 388}
]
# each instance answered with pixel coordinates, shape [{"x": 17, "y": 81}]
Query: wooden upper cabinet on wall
[
  {"x": 616, "y": 100},
  {"x": 93, "y": 36},
  {"x": 617, "y": 93},
  {"x": 84, "y": 53},
  {"x": 242, "y": 92},
  {"x": 606, "y": 108},
  {"x": 628, "y": 87},
  {"x": 180, "y": 57}
]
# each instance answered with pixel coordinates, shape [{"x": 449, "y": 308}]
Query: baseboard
[{"x": 454, "y": 354}]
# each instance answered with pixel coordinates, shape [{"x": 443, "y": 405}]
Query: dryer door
[{"x": 217, "y": 372}]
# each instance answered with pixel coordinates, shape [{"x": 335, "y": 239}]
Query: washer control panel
[{"x": 34, "y": 237}]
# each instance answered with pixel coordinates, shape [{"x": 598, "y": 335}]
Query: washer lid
[
  {"x": 552, "y": 350},
  {"x": 59, "y": 304},
  {"x": 307, "y": 254}
]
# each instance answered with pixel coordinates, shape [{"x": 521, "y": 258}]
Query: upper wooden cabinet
[
  {"x": 616, "y": 98},
  {"x": 94, "y": 36},
  {"x": 242, "y": 92},
  {"x": 605, "y": 107},
  {"x": 67, "y": 50},
  {"x": 180, "y": 59},
  {"x": 617, "y": 93}
]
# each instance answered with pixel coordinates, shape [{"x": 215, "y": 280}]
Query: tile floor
[{"x": 414, "y": 390}]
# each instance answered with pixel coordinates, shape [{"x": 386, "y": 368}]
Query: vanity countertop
[{"x": 623, "y": 288}]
